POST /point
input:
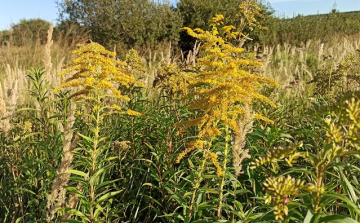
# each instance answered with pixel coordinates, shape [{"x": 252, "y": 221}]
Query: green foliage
[
  {"x": 124, "y": 23},
  {"x": 300, "y": 29},
  {"x": 334, "y": 81},
  {"x": 30, "y": 32},
  {"x": 30, "y": 155},
  {"x": 197, "y": 14},
  {"x": 303, "y": 168}
]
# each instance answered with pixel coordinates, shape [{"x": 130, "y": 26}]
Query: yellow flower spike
[
  {"x": 96, "y": 70},
  {"x": 197, "y": 144},
  {"x": 223, "y": 83},
  {"x": 134, "y": 60},
  {"x": 214, "y": 159},
  {"x": 27, "y": 126},
  {"x": 171, "y": 79},
  {"x": 135, "y": 113}
]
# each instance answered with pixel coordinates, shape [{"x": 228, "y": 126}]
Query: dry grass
[{"x": 293, "y": 66}]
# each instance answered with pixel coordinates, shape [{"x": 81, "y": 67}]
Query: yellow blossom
[
  {"x": 135, "y": 113},
  {"x": 95, "y": 69},
  {"x": 214, "y": 159},
  {"x": 224, "y": 80}
]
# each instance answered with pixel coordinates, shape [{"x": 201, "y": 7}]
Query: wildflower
[
  {"x": 196, "y": 144},
  {"x": 223, "y": 82},
  {"x": 172, "y": 79},
  {"x": 278, "y": 191},
  {"x": 27, "y": 126},
  {"x": 135, "y": 113},
  {"x": 95, "y": 70},
  {"x": 214, "y": 159}
]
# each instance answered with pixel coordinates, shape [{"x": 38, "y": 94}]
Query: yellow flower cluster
[
  {"x": 279, "y": 190},
  {"x": 249, "y": 12},
  {"x": 346, "y": 66},
  {"x": 343, "y": 128},
  {"x": 27, "y": 127},
  {"x": 171, "y": 79},
  {"x": 133, "y": 60},
  {"x": 214, "y": 159},
  {"x": 135, "y": 113},
  {"x": 196, "y": 144},
  {"x": 290, "y": 155},
  {"x": 95, "y": 69},
  {"x": 224, "y": 83}
]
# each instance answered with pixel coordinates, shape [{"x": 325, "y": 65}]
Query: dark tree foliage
[
  {"x": 5, "y": 36},
  {"x": 197, "y": 13},
  {"x": 29, "y": 32},
  {"x": 124, "y": 23}
]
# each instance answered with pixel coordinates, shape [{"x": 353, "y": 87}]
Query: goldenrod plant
[
  {"x": 225, "y": 80},
  {"x": 341, "y": 145},
  {"x": 94, "y": 74}
]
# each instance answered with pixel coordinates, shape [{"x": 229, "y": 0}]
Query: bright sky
[
  {"x": 289, "y": 8},
  {"x": 11, "y": 11}
]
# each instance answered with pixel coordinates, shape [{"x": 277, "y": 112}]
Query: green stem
[
  {"x": 319, "y": 182},
  {"x": 197, "y": 183},
  {"x": 95, "y": 145},
  {"x": 221, "y": 191}
]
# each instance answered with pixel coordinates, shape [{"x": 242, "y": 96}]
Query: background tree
[
  {"x": 196, "y": 14},
  {"x": 30, "y": 31},
  {"x": 124, "y": 23}
]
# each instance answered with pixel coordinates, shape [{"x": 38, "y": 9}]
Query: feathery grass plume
[
  {"x": 245, "y": 125},
  {"x": 11, "y": 87},
  {"x": 56, "y": 198},
  {"x": 47, "y": 54},
  {"x": 5, "y": 122}
]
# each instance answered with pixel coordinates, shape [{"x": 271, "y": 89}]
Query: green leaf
[
  {"x": 74, "y": 190},
  {"x": 177, "y": 197},
  {"x": 75, "y": 212},
  {"x": 105, "y": 183},
  {"x": 77, "y": 172},
  {"x": 349, "y": 188},
  {"x": 95, "y": 176},
  {"x": 97, "y": 211},
  {"x": 308, "y": 217},
  {"x": 86, "y": 137},
  {"x": 106, "y": 196},
  {"x": 345, "y": 199},
  {"x": 337, "y": 219},
  {"x": 72, "y": 221}
]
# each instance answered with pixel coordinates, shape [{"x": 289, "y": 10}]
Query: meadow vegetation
[{"x": 227, "y": 114}]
